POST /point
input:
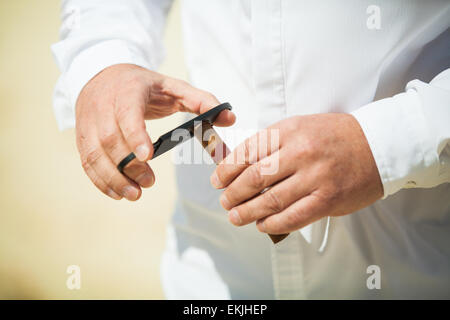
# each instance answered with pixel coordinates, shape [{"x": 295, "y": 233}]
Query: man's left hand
[{"x": 324, "y": 167}]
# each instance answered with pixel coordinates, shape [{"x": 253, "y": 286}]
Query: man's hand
[
  {"x": 110, "y": 115},
  {"x": 325, "y": 168}
]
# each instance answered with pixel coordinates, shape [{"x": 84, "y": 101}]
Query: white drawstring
[{"x": 325, "y": 236}]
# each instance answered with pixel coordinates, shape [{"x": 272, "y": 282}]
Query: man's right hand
[{"x": 110, "y": 123}]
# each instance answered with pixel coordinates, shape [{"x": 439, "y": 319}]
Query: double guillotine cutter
[{"x": 202, "y": 128}]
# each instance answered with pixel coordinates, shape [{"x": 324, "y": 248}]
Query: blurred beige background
[{"x": 51, "y": 216}]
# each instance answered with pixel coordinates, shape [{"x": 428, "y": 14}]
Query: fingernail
[
  {"x": 215, "y": 181},
  {"x": 145, "y": 179},
  {"x": 234, "y": 217},
  {"x": 142, "y": 152},
  {"x": 224, "y": 201},
  {"x": 113, "y": 195},
  {"x": 130, "y": 193}
]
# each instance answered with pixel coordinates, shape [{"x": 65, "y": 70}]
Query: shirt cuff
[
  {"x": 398, "y": 135},
  {"x": 84, "y": 67}
]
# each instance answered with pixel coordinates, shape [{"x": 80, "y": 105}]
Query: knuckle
[
  {"x": 130, "y": 126},
  {"x": 302, "y": 151},
  {"x": 91, "y": 158},
  {"x": 109, "y": 139},
  {"x": 97, "y": 181},
  {"x": 135, "y": 133},
  {"x": 169, "y": 85},
  {"x": 209, "y": 96},
  {"x": 82, "y": 141},
  {"x": 255, "y": 177},
  {"x": 113, "y": 180},
  {"x": 84, "y": 164},
  {"x": 229, "y": 195},
  {"x": 81, "y": 137},
  {"x": 272, "y": 202},
  {"x": 309, "y": 148},
  {"x": 292, "y": 219},
  {"x": 290, "y": 223},
  {"x": 133, "y": 81},
  {"x": 330, "y": 196},
  {"x": 123, "y": 112}
]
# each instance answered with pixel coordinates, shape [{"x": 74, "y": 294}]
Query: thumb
[{"x": 198, "y": 101}]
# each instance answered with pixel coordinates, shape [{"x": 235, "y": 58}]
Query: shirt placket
[
  {"x": 269, "y": 82},
  {"x": 287, "y": 268}
]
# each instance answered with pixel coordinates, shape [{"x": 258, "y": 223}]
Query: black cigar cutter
[{"x": 166, "y": 141}]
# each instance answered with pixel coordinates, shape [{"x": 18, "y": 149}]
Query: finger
[
  {"x": 114, "y": 145},
  {"x": 225, "y": 118},
  {"x": 273, "y": 200},
  {"x": 100, "y": 184},
  {"x": 95, "y": 158},
  {"x": 298, "y": 215},
  {"x": 85, "y": 133},
  {"x": 129, "y": 111},
  {"x": 248, "y": 152},
  {"x": 141, "y": 173},
  {"x": 197, "y": 101},
  {"x": 256, "y": 178}
]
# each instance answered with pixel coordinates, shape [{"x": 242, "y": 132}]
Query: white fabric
[{"x": 272, "y": 59}]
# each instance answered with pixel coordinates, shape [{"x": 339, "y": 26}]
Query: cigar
[{"x": 216, "y": 148}]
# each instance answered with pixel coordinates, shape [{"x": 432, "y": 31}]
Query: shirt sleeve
[
  {"x": 409, "y": 135},
  {"x": 96, "y": 34}
]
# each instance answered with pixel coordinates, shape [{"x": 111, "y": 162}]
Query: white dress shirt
[{"x": 273, "y": 59}]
